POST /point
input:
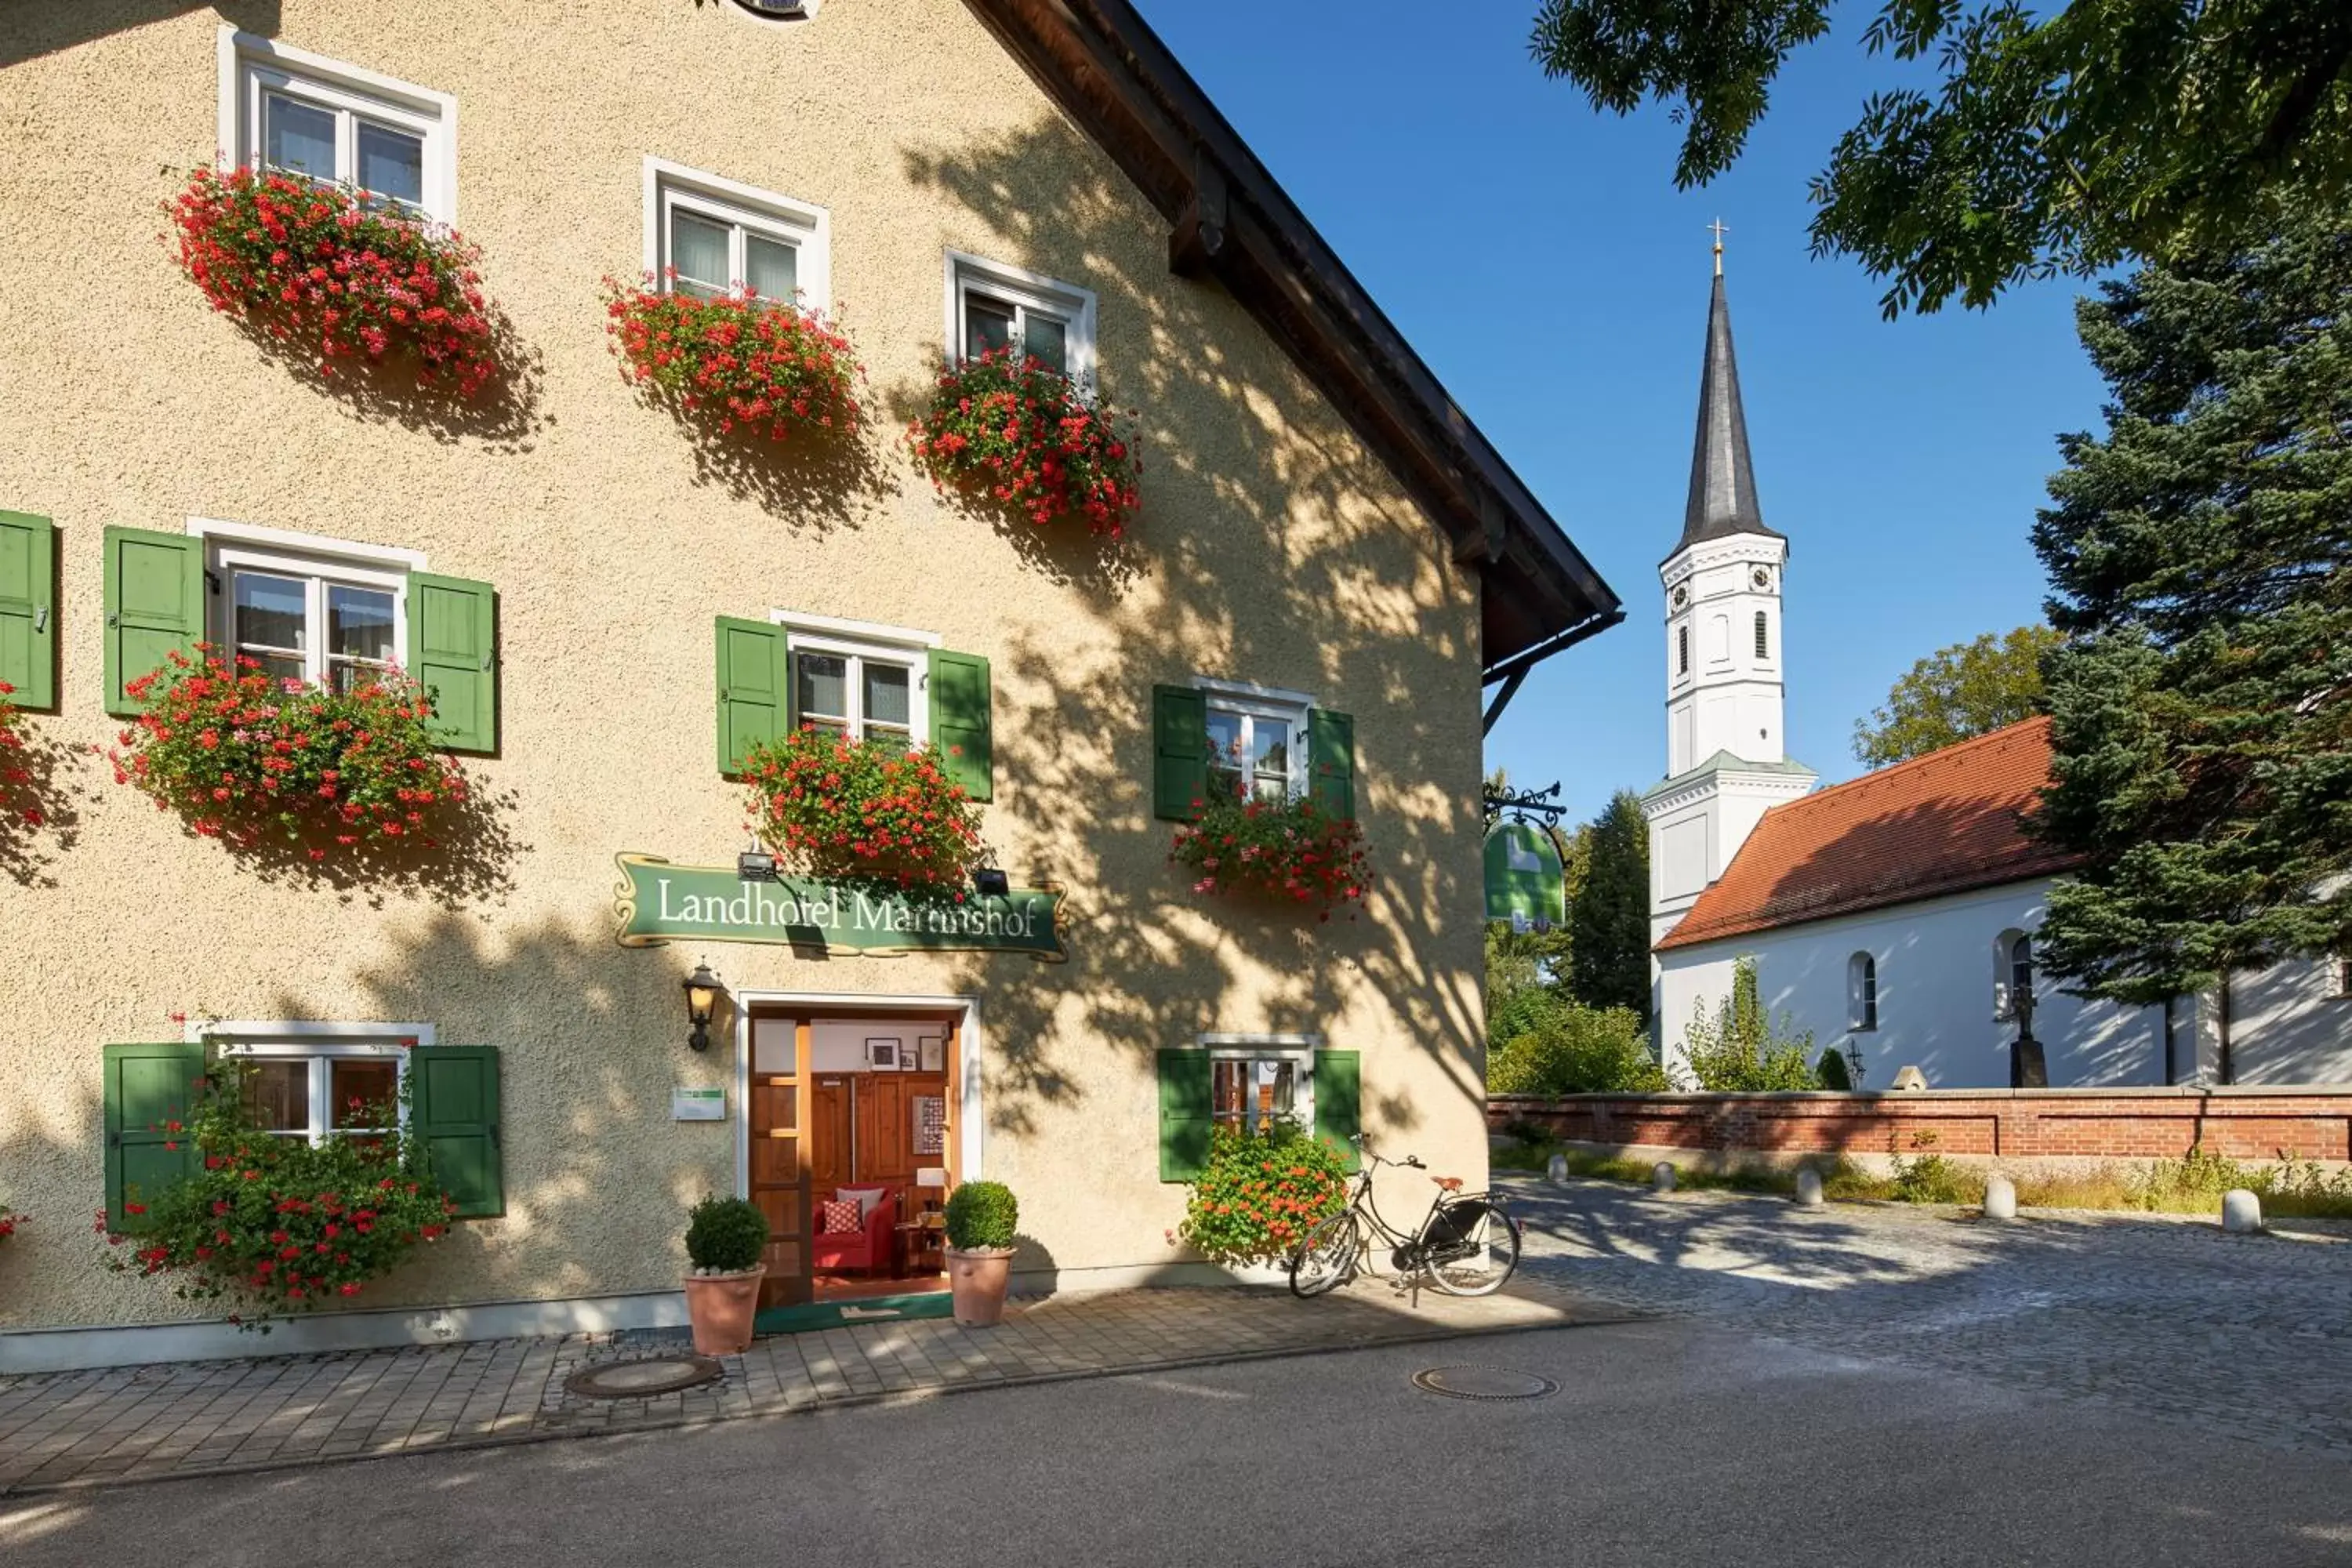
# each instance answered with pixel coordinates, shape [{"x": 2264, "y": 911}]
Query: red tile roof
[{"x": 1943, "y": 823}]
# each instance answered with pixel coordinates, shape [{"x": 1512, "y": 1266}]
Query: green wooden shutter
[
  {"x": 1339, "y": 1101},
  {"x": 961, "y": 725},
  {"x": 1331, "y": 761},
  {"x": 452, "y": 1111},
  {"x": 154, "y": 606},
  {"x": 1184, "y": 1114},
  {"x": 453, "y": 651},
  {"x": 29, "y": 623},
  {"x": 754, "y": 689},
  {"x": 1180, "y": 752},
  {"x": 146, "y": 1089}
]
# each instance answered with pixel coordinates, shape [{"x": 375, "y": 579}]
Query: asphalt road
[{"x": 1670, "y": 1442}]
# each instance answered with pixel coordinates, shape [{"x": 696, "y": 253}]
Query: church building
[{"x": 1893, "y": 917}]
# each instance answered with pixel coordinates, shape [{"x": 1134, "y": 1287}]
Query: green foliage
[
  {"x": 866, "y": 810},
  {"x": 1289, "y": 852},
  {"x": 2061, "y": 138},
  {"x": 1609, "y": 922},
  {"x": 1926, "y": 1177},
  {"x": 725, "y": 1234},
  {"x": 1956, "y": 693},
  {"x": 280, "y": 1224},
  {"x": 981, "y": 1214},
  {"x": 1562, "y": 1047},
  {"x": 1743, "y": 1050},
  {"x": 1260, "y": 1192},
  {"x": 1834, "y": 1072},
  {"x": 2198, "y": 553}
]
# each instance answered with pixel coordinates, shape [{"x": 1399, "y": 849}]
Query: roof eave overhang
[{"x": 1231, "y": 223}]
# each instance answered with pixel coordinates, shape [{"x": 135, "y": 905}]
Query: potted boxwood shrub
[
  {"x": 724, "y": 1238},
  {"x": 980, "y": 1220}
]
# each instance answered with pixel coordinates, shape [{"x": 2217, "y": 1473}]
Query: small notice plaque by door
[
  {"x": 698, "y": 1105},
  {"x": 930, "y": 1123}
]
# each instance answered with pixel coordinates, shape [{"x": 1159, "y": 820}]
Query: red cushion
[{"x": 839, "y": 1219}]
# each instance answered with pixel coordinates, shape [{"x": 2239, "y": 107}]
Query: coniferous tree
[
  {"x": 1609, "y": 925},
  {"x": 2200, "y": 557}
]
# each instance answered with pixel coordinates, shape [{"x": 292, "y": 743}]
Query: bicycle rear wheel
[
  {"x": 1480, "y": 1249},
  {"x": 1325, "y": 1256}
]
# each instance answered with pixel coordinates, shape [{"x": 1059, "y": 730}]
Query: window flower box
[
  {"x": 835, "y": 808},
  {"x": 1291, "y": 853},
  {"x": 278, "y": 1224},
  {"x": 1023, "y": 435},
  {"x": 736, "y": 361},
  {"x": 330, "y": 270},
  {"x": 1260, "y": 1192},
  {"x": 335, "y": 771}
]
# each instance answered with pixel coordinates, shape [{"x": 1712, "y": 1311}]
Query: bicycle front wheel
[
  {"x": 1327, "y": 1256},
  {"x": 1480, "y": 1250}
]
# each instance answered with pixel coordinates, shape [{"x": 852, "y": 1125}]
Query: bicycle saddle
[{"x": 1451, "y": 1183}]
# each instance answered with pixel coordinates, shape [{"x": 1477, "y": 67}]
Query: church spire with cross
[{"x": 1723, "y": 477}]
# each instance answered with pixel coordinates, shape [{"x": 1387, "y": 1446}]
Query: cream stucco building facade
[{"x": 1320, "y": 528}]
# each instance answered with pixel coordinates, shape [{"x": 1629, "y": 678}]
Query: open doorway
[{"x": 852, "y": 1150}]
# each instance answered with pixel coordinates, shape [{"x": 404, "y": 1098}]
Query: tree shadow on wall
[
  {"x": 817, "y": 482},
  {"x": 28, "y": 32},
  {"x": 40, "y": 817},
  {"x": 1272, "y": 548}
]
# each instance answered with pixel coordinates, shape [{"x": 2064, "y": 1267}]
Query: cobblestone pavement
[
  {"x": 2243, "y": 1336},
  {"x": 151, "y": 1422}
]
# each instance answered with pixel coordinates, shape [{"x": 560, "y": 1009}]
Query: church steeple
[{"x": 1722, "y": 479}]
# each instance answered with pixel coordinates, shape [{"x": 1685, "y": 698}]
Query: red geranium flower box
[
  {"x": 1027, "y": 436},
  {"x": 838, "y": 808},
  {"x": 765, "y": 366},
  {"x": 1291, "y": 853}
]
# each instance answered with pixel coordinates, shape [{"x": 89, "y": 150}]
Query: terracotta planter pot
[
  {"x": 977, "y": 1279},
  {"x": 721, "y": 1307}
]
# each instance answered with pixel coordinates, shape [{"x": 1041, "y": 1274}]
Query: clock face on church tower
[
  {"x": 1761, "y": 578},
  {"x": 1682, "y": 594}
]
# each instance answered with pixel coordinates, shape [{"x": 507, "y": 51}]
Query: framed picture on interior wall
[
  {"x": 883, "y": 1053},
  {"x": 934, "y": 1057},
  {"x": 906, "y": 1057}
]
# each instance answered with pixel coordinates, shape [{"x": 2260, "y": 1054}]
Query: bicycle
[{"x": 1467, "y": 1245}]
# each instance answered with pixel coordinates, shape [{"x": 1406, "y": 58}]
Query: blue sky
[{"x": 1540, "y": 259}]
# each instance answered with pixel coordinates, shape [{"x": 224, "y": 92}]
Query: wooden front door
[{"x": 780, "y": 1110}]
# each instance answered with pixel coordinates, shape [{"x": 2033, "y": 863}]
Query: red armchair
[{"x": 870, "y": 1248}]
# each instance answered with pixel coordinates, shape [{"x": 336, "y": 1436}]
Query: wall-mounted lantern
[{"x": 702, "y": 994}]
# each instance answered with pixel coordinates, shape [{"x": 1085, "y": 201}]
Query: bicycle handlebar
[{"x": 1411, "y": 1162}]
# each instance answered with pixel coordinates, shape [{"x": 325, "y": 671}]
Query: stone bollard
[
  {"x": 1662, "y": 1176},
  {"x": 2001, "y": 1197},
  {"x": 1808, "y": 1188},
  {"x": 2241, "y": 1211},
  {"x": 1556, "y": 1171}
]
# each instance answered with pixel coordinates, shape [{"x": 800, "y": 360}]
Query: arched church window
[
  {"x": 1682, "y": 650},
  {"x": 1763, "y": 637},
  {"x": 1862, "y": 987}
]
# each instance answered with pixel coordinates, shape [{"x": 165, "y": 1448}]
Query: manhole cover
[
  {"x": 1477, "y": 1382},
  {"x": 642, "y": 1378}
]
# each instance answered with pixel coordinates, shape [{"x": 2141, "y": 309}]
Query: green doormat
[{"x": 849, "y": 1314}]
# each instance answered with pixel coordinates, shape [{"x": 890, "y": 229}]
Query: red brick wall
[{"x": 2132, "y": 1123}]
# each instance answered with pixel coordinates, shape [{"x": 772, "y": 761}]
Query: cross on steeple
[{"x": 1720, "y": 228}]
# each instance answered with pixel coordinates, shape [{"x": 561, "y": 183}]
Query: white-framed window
[
  {"x": 286, "y": 108},
  {"x": 2341, "y": 966},
  {"x": 1862, "y": 992},
  {"x": 1256, "y": 1080},
  {"x": 317, "y": 1081},
  {"x": 992, "y": 306},
  {"x": 706, "y": 235},
  {"x": 2012, "y": 971},
  {"x": 1257, "y": 739},
  {"x": 323, "y": 611},
  {"x": 865, "y": 681}
]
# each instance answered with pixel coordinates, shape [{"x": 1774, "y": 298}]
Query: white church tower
[{"x": 1727, "y": 758}]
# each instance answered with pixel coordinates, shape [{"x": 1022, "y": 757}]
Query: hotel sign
[{"x": 658, "y": 902}]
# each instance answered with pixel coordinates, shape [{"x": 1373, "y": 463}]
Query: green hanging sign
[
  {"x": 658, "y": 902},
  {"x": 1525, "y": 880}
]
